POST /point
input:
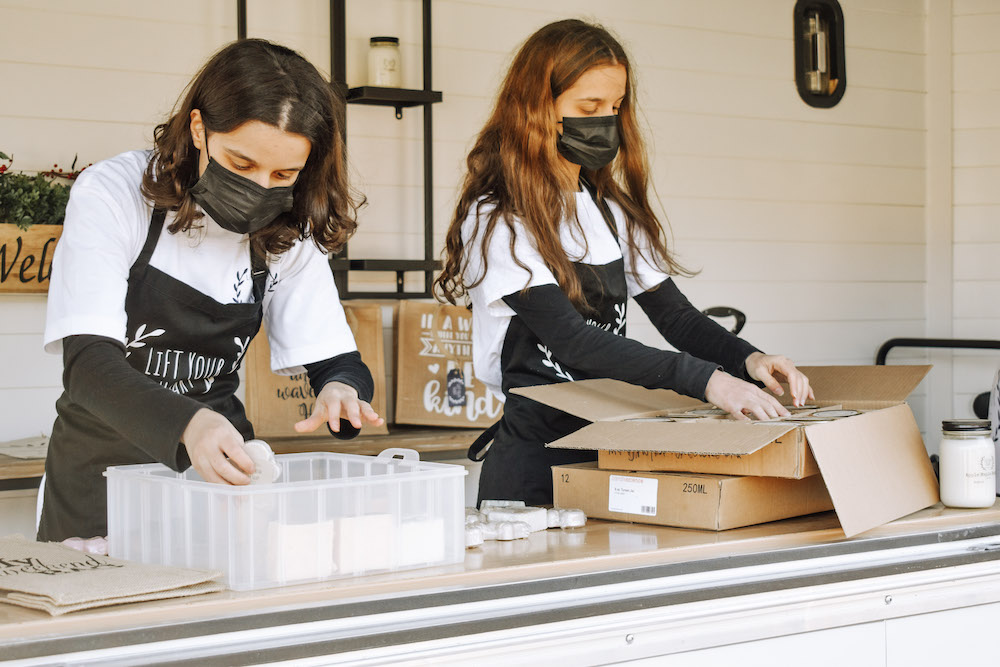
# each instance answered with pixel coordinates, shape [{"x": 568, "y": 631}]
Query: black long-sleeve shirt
[
  {"x": 98, "y": 378},
  {"x": 705, "y": 345}
]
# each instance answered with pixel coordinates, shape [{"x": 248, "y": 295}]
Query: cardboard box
[
  {"x": 874, "y": 465},
  {"x": 709, "y": 502},
  {"x": 787, "y": 456}
]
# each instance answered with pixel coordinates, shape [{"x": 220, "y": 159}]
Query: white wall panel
[
  {"x": 977, "y": 197},
  {"x": 810, "y": 220},
  {"x": 975, "y": 224}
]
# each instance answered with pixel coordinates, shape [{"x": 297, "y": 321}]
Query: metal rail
[{"x": 954, "y": 343}]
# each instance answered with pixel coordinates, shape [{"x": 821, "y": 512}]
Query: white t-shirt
[
  {"x": 107, "y": 221},
  {"x": 491, "y": 316}
]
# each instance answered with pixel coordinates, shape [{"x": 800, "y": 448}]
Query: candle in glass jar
[
  {"x": 384, "y": 65},
  {"x": 967, "y": 466}
]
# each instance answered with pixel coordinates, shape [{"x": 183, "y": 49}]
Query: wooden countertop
[
  {"x": 425, "y": 440},
  {"x": 601, "y": 546}
]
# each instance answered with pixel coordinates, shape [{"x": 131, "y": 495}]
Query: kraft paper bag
[
  {"x": 275, "y": 402},
  {"x": 435, "y": 384},
  {"x": 57, "y": 579}
]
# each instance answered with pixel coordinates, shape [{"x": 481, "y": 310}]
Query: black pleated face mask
[
  {"x": 237, "y": 203},
  {"x": 589, "y": 141}
]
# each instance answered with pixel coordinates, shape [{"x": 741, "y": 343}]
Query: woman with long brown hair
[
  {"x": 169, "y": 262},
  {"x": 552, "y": 234}
]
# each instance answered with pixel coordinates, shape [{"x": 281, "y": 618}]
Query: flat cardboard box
[
  {"x": 685, "y": 500},
  {"x": 874, "y": 465},
  {"x": 786, "y": 456}
]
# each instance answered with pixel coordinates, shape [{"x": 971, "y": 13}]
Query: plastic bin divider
[
  {"x": 213, "y": 520},
  {"x": 396, "y": 507},
  {"x": 144, "y": 508},
  {"x": 283, "y": 521},
  {"x": 167, "y": 528},
  {"x": 188, "y": 527}
]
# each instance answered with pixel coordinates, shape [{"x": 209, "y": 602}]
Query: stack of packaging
[{"x": 669, "y": 460}]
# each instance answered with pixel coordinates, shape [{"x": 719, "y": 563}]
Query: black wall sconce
[{"x": 820, "y": 71}]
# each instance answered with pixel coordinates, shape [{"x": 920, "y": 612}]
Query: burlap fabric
[{"x": 58, "y": 579}]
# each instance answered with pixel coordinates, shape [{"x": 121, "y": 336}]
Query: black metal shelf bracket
[{"x": 398, "y": 99}]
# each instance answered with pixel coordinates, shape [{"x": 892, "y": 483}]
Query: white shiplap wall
[
  {"x": 976, "y": 155},
  {"x": 811, "y": 221}
]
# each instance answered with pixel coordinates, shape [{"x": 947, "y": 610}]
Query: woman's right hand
[
  {"x": 214, "y": 445},
  {"x": 740, "y": 398}
]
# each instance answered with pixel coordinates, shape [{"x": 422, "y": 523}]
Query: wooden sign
[
  {"x": 435, "y": 385},
  {"x": 276, "y": 402},
  {"x": 26, "y": 257}
]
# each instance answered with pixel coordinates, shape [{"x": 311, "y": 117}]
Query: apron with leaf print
[
  {"x": 178, "y": 337},
  {"x": 517, "y": 464}
]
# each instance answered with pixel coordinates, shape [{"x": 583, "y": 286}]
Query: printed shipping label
[{"x": 632, "y": 495}]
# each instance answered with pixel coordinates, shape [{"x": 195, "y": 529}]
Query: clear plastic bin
[{"x": 328, "y": 516}]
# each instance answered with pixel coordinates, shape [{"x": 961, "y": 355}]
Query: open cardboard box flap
[
  {"x": 854, "y": 384},
  {"x": 874, "y": 465},
  {"x": 604, "y": 399},
  {"x": 709, "y": 437},
  {"x": 611, "y": 403}
]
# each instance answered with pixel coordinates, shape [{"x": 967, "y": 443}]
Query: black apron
[
  {"x": 517, "y": 465},
  {"x": 180, "y": 338}
]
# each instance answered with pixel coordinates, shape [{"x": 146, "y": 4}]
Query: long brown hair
[
  {"x": 514, "y": 167},
  {"x": 253, "y": 79}
]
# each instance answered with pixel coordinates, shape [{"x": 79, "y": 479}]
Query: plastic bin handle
[{"x": 400, "y": 452}]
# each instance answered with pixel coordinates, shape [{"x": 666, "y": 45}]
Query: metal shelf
[{"x": 399, "y": 99}]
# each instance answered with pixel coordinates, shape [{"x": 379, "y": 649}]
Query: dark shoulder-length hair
[
  {"x": 514, "y": 169},
  {"x": 253, "y": 79}
]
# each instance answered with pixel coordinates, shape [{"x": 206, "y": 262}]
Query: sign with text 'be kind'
[{"x": 435, "y": 384}]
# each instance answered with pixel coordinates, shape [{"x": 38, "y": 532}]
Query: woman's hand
[
  {"x": 740, "y": 398},
  {"x": 771, "y": 369},
  {"x": 338, "y": 401},
  {"x": 93, "y": 545},
  {"x": 214, "y": 446}
]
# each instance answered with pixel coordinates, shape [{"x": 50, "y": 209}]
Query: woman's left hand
[
  {"x": 338, "y": 401},
  {"x": 771, "y": 369}
]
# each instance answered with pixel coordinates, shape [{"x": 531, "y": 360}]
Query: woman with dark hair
[
  {"x": 170, "y": 260},
  {"x": 552, "y": 234}
]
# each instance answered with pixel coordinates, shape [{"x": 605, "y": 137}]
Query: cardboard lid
[
  {"x": 863, "y": 383},
  {"x": 603, "y": 399},
  {"x": 714, "y": 437},
  {"x": 874, "y": 466}
]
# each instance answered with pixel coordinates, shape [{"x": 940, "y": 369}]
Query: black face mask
[
  {"x": 589, "y": 141},
  {"x": 237, "y": 203}
]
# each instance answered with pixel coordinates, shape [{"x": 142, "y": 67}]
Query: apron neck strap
[
  {"x": 602, "y": 206},
  {"x": 258, "y": 270},
  {"x": 152, "y": 236}
]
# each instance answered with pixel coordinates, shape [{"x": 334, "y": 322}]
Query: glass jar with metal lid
[
  {"x": 967, "y": 463},
  {"x": 384, "y": 65}
]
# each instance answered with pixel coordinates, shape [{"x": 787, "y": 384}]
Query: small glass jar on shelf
[{"x": 384, "y": 63}]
